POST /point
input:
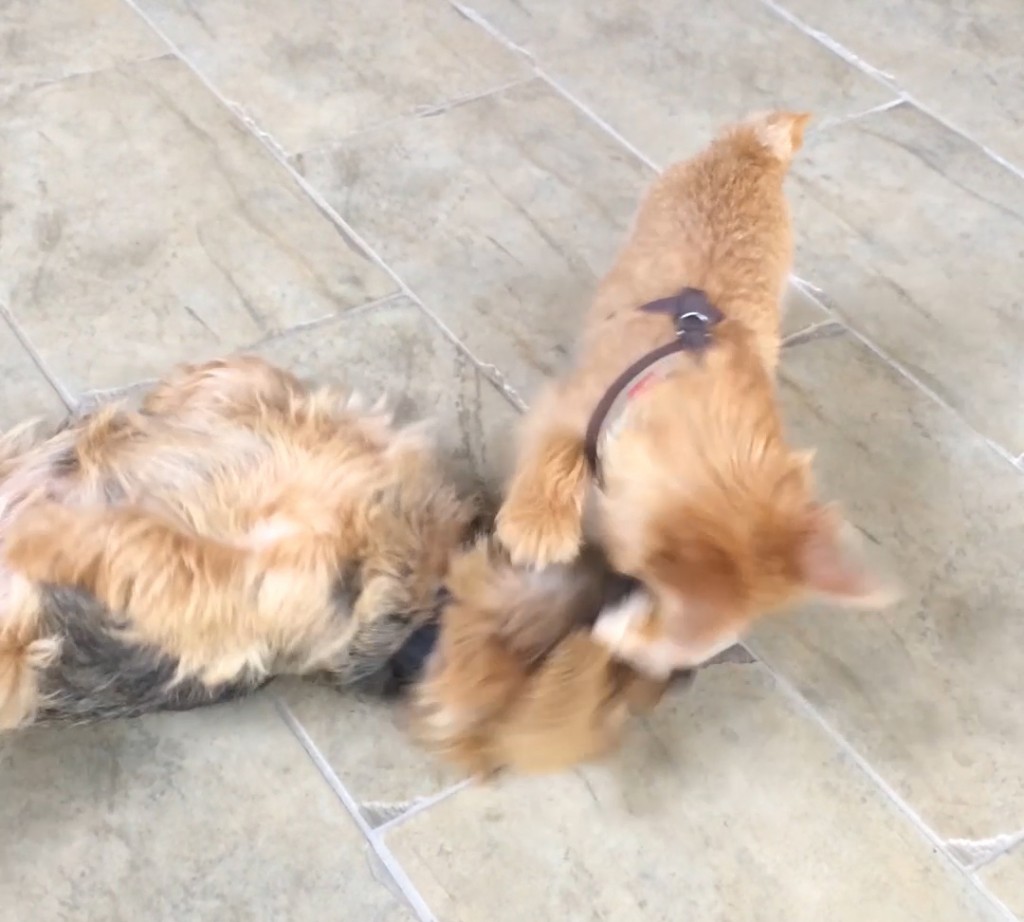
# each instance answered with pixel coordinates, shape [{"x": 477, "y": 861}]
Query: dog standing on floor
[
  {"x": 238, "y": 526},
  {"x": 670, "y": 409}
]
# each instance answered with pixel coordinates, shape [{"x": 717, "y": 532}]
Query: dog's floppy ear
[{"x": 832, "y": 564}]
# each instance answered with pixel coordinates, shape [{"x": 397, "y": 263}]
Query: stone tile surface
[
  {"x": 310, "y": 72},
  {"x": 721, "y": 795},
  {"x": 394, "y": 348},
  {"x": 1005, "y": 877},
  {"x": 902, "y": 223},
  {"x": 209, "y": 815},
  {"x": 501, "y": 214},
  {"x": 927, "y": 691},
  {"x": 44, "y": 40},
  {"x": 975, "y": 81},
  {"x": 150, "y": 212},
  {"x": 666, "y": 75},
  {"x": 155, "y": 230},
  {"x": 26, "y": 392}
]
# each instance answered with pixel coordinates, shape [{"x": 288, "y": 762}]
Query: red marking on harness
[{"x": 640, "y": 386}]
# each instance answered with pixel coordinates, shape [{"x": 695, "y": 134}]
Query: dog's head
[
  {"x": 779, "y": 134},
  {"x": 718, "y": 517}
]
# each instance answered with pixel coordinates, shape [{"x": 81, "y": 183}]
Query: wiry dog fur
[
  {"x": 703, "y": 500},
  {"x": 240, "y": 526},
  {"x": 517, "y": 679}
]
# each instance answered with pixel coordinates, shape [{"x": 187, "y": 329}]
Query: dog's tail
[{"x": 23, "y": 653}]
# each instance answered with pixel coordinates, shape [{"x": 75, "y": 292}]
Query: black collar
[{"x": 693, "y": 317}]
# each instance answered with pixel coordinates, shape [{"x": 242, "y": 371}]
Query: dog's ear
[
  {"x": 782, "y": 132},
  {"x": 832, "y": 564}
]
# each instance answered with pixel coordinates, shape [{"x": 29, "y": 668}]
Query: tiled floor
[{"x": 416, "y": 195}]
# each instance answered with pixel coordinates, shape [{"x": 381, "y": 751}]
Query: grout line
[
  {"x": 815, "y": 293},
  {"x": 421, "y": 804},
  {"x": 983, "y": 887},
  {"x": 495, "y": 33},
  {"x": 827, "y": 124},
  {"x": 101, "y": 395},
  {"x": 594, "y": 117},
  {"x": 379, "y": 848},
  {"x": 491, "y": 372},
  {"x": 887, "y": 79},
  {"x": 66, "y": 397},
  {"x": 337, "y": 316},
  {"x": 468, "y": 13},
  {"x": 427, "y": 110},
  {"x": 844, "y": 746},
  {"x": 811, "y": 333},
  {"x": 949, "y": 126},
  {"x": 837, "y": 48}
]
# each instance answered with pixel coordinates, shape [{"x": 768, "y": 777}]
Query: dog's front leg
[{"x": 541, "y": 519}]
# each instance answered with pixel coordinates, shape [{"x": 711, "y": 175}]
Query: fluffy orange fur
[
  {"x": 703, "y": 499},
  {"x": 517, "y": 680},
  {"x": 218, "y": 522},
  {"x": 241, "y": 525}
]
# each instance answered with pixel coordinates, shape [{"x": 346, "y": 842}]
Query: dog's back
[
  {"x": 235, "y": 526},
  {"x": 719, "y": 223}
]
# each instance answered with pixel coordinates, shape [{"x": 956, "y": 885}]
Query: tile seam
[
  {"x": 889, "y": 80},
  {"x": 383, "y": 853},
  {"x": 63, "y": 394},
  {"x": 802, "y": 705},
  {"x": 427, "y": 110},
  {"x": 421, "y": 805}
]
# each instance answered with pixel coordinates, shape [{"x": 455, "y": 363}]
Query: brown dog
[
  {"x": 671, "y": 405},
  {"x": 239, "y": 526}
]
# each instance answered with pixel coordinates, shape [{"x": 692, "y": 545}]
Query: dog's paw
[{"x": 539, "y": 537}]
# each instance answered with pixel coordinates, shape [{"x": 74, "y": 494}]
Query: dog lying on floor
[{"x": 238, "y": 526}]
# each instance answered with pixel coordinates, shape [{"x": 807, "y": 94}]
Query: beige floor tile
[
  {"x": 666, "y": 74},
  {"x": 216, "y": 814},
  {"x": 43, "y": 40},
  {"x": 393, "y": 347},
  {"x": 501, "y": 214},
  {"x": 310, "y": 72},
  {"x": 927, "y": 692},
  {"x": 156, "y": 229},
  {"x": 961, "y": 60},
  {"x": 1005, "y": 878},
  {"x": 903, "y": 224},
  {"x": 25, "y": 393},
  {"x": 727, "y": 805}
]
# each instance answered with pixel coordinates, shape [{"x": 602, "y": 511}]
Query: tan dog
[
  {"x": 241, "y": 525},
  {"x": 701, "y": 498}
]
